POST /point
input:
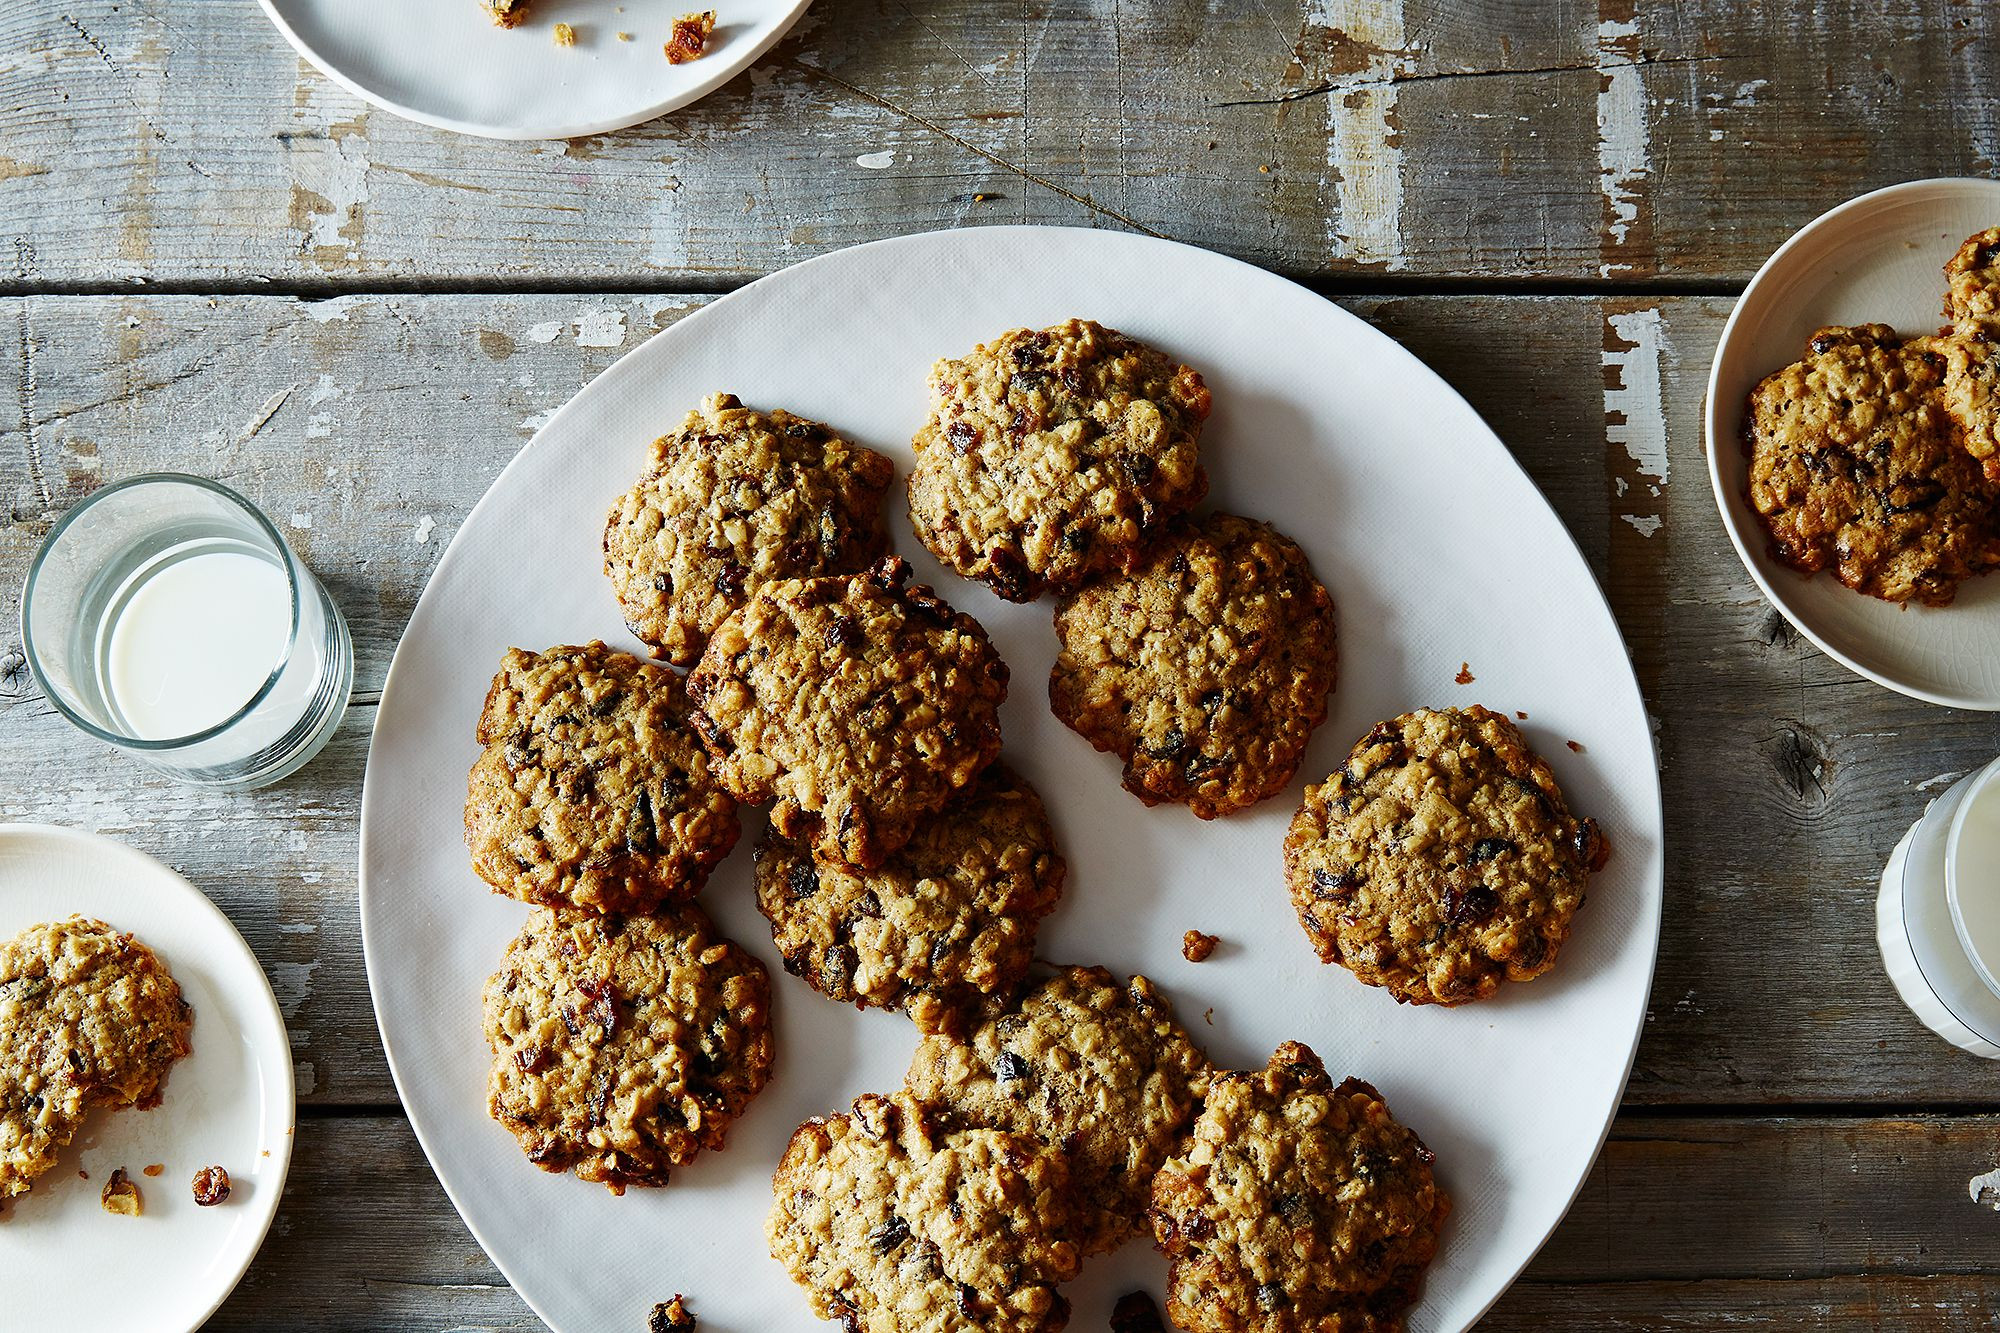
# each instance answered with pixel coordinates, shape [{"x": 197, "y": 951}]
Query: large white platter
[
  {"x": 1876, "y": 259},
  {"x": 446, "y": 63},
  {"x": 229, "y": 1103},
  {"x": 1438, "y": 550}
]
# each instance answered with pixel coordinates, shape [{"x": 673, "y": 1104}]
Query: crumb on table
[
  {"x": 1196, "y": 947},
  {"x": 690, "y": 36},
  {"x": 565, "y": 35},
  {"x": 211, "y": 1186},
  {"x": 671, "y": 1317},
  {"x": 1464, "y": 676},
  {"x": 121, "y": 1196},
  {"x": 624, "y": 36},
  {"x": 154, "y": 1169}
]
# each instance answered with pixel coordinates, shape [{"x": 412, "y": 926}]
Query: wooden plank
[
  {"x": 1641, "y": 141},
  {"x": 380, "y": 421},
  {"x": 1684, "y": 1224}
]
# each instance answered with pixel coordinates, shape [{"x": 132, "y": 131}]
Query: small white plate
[
  {"x": 1878, "y": 259},
  {"x": 446, "y": 63},
  {"x": 1324, "y": 427},
  {"x": 229, "y": 1103}
]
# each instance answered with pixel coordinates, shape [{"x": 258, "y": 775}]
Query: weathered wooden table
[{"x": 221, "y": 263}]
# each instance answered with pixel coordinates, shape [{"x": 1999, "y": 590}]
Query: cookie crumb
[
  {"x": 154, "y": 1169},
  {"x": 1208, "y": 1017},
  {"x": 690, "y": 36},
  {"x": 211, "y": 1186},
  {"x": 670, "y": 1317},
  {"x": 1574, "y": 746},
  {"x": 624, "y": 36},
  {"x": 1521, "y": 715},
  {"x": 1196, "y": 947},
  {"x": 1464, "y": 676},
  {"x": 121, "y": 1196},
  {"x": 82, "y": 1174},
  {"x": 1136, "y": 1313},
  {"x": 565, "y": 35}
]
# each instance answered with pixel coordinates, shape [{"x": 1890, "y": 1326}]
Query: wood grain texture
[
  {"x": 1637, "y": 141},
  {"x": 379, "y": 421},
  {"x": 1683, "y": 1224}
]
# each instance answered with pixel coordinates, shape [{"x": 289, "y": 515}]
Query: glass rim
[{"x": 83, "y": 506}]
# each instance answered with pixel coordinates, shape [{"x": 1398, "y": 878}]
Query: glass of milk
[{"x": 165, "y": 615}]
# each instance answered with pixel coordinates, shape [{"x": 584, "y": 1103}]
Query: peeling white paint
[
  {"x": 292, "y": 984},
  {"x": 529, "y": 425},
  {"x": 303, "y": 522},
  {"x": 319, "y": 425},
  {"x": 1623, "y": 154},
  {"x": 1364, "y": 154},
  {"x": 426, "y": 525},
  {"x": 1746, "y": 93},
  {"x": 328, "y": 158},
  {"x": 1942, "y": 780},
  {"x": 1985, "y": 1189},
  {"x": 323, "y": 389},
  {"x": 304, "y": 1080},
  {"x": 546, "y": 332},
  {"x": 1635, "y": 416},
  {"x": 600, "y": 328},
  {"x": 298, "y": 928},
  {"x": 325, "y": 312},
  {"x": 877, "y": 161}
]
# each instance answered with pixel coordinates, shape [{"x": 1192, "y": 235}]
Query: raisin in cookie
[
  {"x": 894, "y": 1227},
  {"x": 623, "y": 1046},
  {"x": 1051, "y": 456},
  {"x": 1206, "y": 669},
  {"x": 1855, "y": 465},
  {"x": 731, "y": 501},
  {"x": 1096, "y": 1068},
  {"x": 89, "y": 1016},
  {"x": 1441, "y": 860},
  {"x": 1299, "y": 1207},
  {"x": 946, "y": 924},
  {"x": 593, "y": 791},
  {"x": 860, "y": 704}
]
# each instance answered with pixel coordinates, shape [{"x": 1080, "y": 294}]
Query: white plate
[
  {"x": 1438, "y": 551},
  {"x": 1878, "y": 259},
  {"x": 446, "y": 63},
  {"x": 229, "y": 1104}
]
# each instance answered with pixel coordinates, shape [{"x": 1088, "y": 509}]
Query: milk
[{"x": 194, "y": 634}]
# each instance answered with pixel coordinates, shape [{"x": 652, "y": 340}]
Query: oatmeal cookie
[
  {"x": 1441, "y": 860},
  {"x": 895, "y": 1227},
  {"x": 1855, "y": 465},
  {"x": 623, "y": 1046},
  {"x": 1972, "y": 278},
  {"x": 1298, "y": 1207},
  {"x": 506, "y": 13},
  {"x": 89, "y": 1016},
  {"x": 593, "y": 790},
  {"x": 946, "y": 924},
  {"x": 1205, "y": 670},
  {"x": 861, "y": 704},
  {"x": 733, "y": 500},
  {"x": 1099, "y": 1069},
  {"x": 1051, "y": 456}
]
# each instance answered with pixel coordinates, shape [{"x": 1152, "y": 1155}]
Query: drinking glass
[{"x": 166, "y": 616}]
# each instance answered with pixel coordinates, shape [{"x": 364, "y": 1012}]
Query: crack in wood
[
  {"x": 887, "y": 105},
  {"x": 118, "y": 71},
  {"x": 1447, "y": 75},
  {"x": 24, "y": 394}
]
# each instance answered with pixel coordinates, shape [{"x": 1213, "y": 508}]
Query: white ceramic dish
[
  {"x": 1919, "y": 941},
  {"x": 229, "y": 1103},
  {"x": 446, "y": 63},
  {"x": 1876, "y": 259},
  {"x": 1323, "y": 426}
]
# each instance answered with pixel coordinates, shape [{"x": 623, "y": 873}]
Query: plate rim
[
  {"x": 1716, "y": 435},
  {"x": 721, "y": 74},
  {"x": 1650, "y": 798},
  {"x": 100, "y": 844}
]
